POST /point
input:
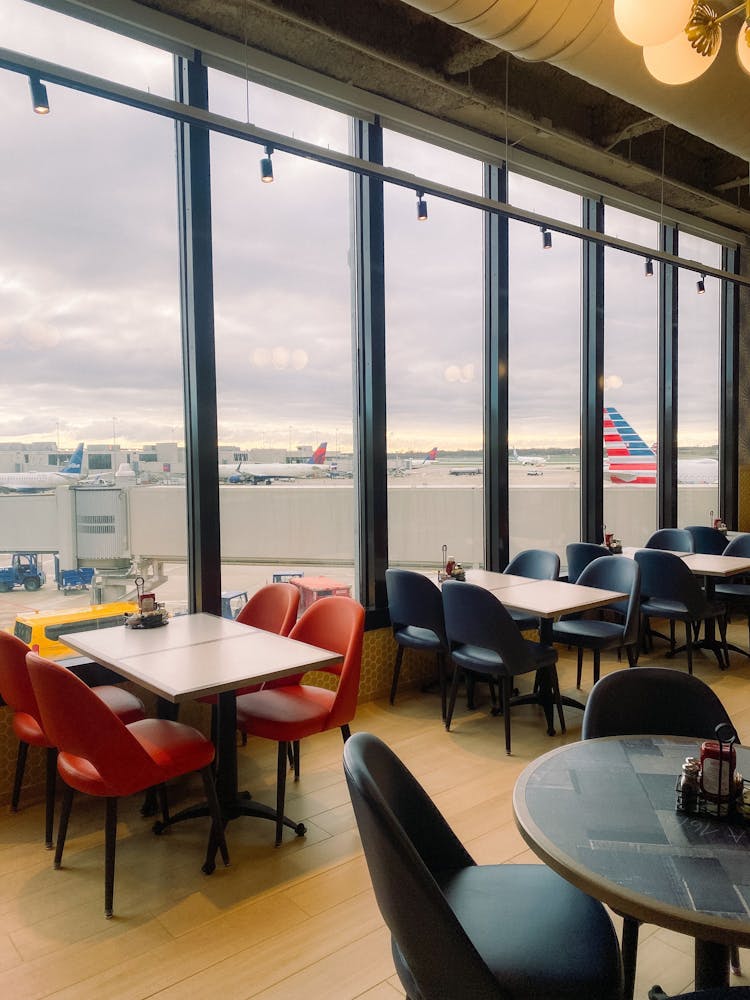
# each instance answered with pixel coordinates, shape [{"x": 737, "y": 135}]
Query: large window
[
  {"x": 89, "y": 331},
  {"x": 544, "y": 374},
  {"x": 631, "y": 381},
  {"x": 698, "y": 386},
  {"x": 433, "y": 287},
  {"x": 283, "y": 352}
]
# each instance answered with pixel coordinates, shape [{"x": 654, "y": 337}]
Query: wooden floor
[{"x": 289, "y": 922}]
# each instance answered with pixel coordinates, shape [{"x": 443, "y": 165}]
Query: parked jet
[
  {"x": 529, "y": 459},
  {"x": 411, "y": 465},
  {"x": 631, "y": 460},
  {"x": 38, "y": 482},
  {"x": 266, "y": 472}
]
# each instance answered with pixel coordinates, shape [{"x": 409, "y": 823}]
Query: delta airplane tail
[
  {"x": 431, "y": 455},
  {"x": 318, "y": 457},
  {"x": 631, "y": 460}
]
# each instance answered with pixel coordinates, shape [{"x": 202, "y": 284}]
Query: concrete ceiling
[{"x": 578, "y": 96}]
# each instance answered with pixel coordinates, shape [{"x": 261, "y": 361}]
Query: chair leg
[
  {"x": 555, "y": 682},
  {"x": 161, "y": 793},
  {"x": 723, "y": 634},
  {"x": 579, "y": 671},
  {"x": 62, "y": 830},
  {"x": 630, "y": 927},
  {"x": 396, "y": 672},
  {"x": 23, "y": 750},
  {"x": 689, "y": 645},
  {"x": 295, "y": 756},
  {"x": 506, "y": 687},
  {"x": 632, "y": 652},
  {"x": 345, "y": 732},
  {"x": 671, "y": 636},
  {"x": 443, "y": 682},
  {"x": 597, "y": 664},
  {"x": 280, "y": 791},
  {"x": 452, "y": 698},
  {"x": 110, "y": 844},
  {"x": 49, "y": 805}
]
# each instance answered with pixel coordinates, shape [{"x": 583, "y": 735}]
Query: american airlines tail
[{"x": 630, "y": 458}]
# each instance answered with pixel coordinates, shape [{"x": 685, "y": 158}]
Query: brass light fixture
[{"x": 680, "y": 38}]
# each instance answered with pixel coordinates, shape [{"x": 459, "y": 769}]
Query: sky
[{"x": 89, "y": 295}]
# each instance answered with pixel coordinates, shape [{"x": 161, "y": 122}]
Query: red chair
[
  {"x": 291, "y": 710},
  {"x": 18, "y": 695},
  {"x": 99, "y": 755},
  {"x": 272, "y": 608}
]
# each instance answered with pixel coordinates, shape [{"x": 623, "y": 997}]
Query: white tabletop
[
  {"x": 200, "y": 654},
  {"x": 703, "y": 564},
  {"x": 551, "y": 598},
  {"x": 495, "y": 581}
]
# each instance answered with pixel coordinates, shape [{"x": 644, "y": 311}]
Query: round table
[{"x": 602, "y": 814}]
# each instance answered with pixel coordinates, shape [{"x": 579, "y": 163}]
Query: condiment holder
[
  {"x": 150, "y": 613},
  {"x": 712, "y": 785}
]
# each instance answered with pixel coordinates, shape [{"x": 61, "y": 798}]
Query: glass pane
[
  {"x": 284, "y": 370},
  {"x": 235, "y": 97},
  {"x": 46, "y": 34},
  {"x": 434, "y": 333},
  {"x": 631, "y": 377},
  {"x": 90, "y": 353},
  {"x": 698, "y": 387},
  {"x": 544, "y": 375}
]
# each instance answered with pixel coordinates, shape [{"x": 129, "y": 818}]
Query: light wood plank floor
[{"x": 289, "y": 922}]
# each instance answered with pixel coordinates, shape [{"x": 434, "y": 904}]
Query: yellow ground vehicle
[{"x": 43, "y": 630}]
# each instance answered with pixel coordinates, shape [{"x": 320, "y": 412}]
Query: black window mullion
[
  {"x": 592, "y": 376},
  {"x": 667, "y": 411}
]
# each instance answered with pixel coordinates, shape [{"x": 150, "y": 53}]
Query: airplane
[
  {"x": 631, "y": 460},
  {"x": 266, "y": 472},
  {"x": 529, "y": 459},
  {"x": 412, "y": 465},
  {"x": 39, "y": 482}
]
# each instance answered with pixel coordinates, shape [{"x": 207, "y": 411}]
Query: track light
[
  {"x": 266, "y": 167},
  {"x": 701, "y": 285},
  {"x": 38, "y": 96},
  {"x": 649, "y": 268},
  {"x": 421, "y": 207},
  {"x": 546, "y": 238}
]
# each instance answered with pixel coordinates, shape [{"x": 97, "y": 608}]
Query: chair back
[
  {"x": 413, "y": 599},
  {"x": 405, "y": 840},
  {"x": 674, "y": 539},
  {"x": 79, "y": 723},
  {"x": 537, "y": 564},
  {"x": 15, "y": 686},
  {"x": 338, "y": 624},
  {"x": 475, "y": 617},
  {"x": 739, "y": 546},
  {"x": 664, "y": 576},
  {"x": 579, "y": 554},
  {"x": 272, "y": 608},
  {"x": 652, "y": 701},
  {"x": 622, "y": 574},
  {"x": 708, "y": 540}
]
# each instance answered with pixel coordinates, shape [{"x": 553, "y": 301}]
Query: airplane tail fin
[
  {"x": 631, "y": 460},
  {"x": 73, "y": 468},
  {"x": 318, "y": 457},
  {"x": 431, "y": 455}
]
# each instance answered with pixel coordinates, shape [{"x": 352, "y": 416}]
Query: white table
[{"x": 195, "y": 655}]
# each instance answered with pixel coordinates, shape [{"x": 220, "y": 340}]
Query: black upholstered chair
[
  {"x": 601, "y": 632},
  {"x": 416, "y": 610},
  {"x": 735, "y": 591},
  {"x": 484, "y": 640},
  {"x": 671, "y": 591},
  {"x": 458, "y": 929},
  {"x": 670, "y": 539},
  {"x": 707, "y": 539},
  {"x": 579, "y": 554},
  {"x": 536, "y": 564},
  {"x": 654, "y": 701}
]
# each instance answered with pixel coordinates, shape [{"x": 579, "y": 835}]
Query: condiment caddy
[
  {"x": 150, "y": 613},
  {"x": 711, "y": 785}
]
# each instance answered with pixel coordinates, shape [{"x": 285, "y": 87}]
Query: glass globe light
[
  {"x": 676, "y": 61},
  {"x": 646, "y": 22}
]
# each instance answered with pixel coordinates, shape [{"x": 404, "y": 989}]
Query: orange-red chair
[
  {"x": 18, "y": 695},
  {"x": 99, "y": 755},
  {"x": 291, "y": 710},
  {"x": 272, "y": 608}
]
